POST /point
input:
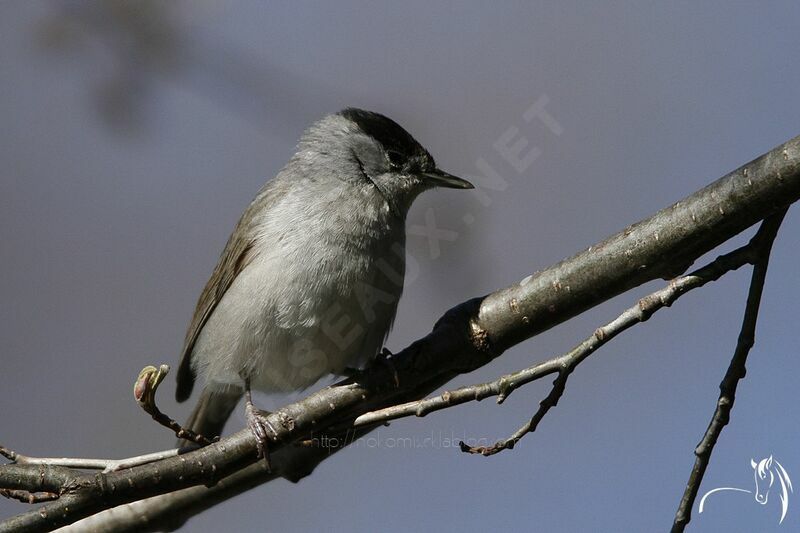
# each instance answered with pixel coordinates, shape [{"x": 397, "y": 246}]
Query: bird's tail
[{"x": 211, "y": 413}]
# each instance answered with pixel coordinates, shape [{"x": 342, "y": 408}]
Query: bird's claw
[
  {"x": 388, "y": 361},
  {"x": 261, "y": 428}
]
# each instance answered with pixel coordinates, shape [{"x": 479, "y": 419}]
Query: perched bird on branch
[{"x": 309, "y": 281}]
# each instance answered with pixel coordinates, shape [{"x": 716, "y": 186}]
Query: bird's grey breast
[{"x": 319, "y": 294}]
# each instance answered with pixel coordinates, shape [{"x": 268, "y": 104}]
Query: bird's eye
[{"x": 396, "y": 159}]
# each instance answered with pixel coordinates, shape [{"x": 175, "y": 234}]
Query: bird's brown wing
[{"x": 235, "y": 257}]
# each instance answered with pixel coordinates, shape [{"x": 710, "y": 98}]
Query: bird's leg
[{"x": 258, "y": 423}]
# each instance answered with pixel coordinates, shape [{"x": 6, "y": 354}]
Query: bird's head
[{"x": 374, "y": 150}]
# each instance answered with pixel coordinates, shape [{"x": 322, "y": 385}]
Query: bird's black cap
[{"x": 388, "y": 133}]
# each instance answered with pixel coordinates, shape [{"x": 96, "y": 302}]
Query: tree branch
[
  {"x": 736, "y": 371},
  {"x": 640, "y": 312},
  {"x": 565, "y": 363},
  {"x": 465, "y": 338}
]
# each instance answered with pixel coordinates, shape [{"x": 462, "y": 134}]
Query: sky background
[{"x": 132, "y": 140}]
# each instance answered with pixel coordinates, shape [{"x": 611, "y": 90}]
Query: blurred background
[{"x": 134, "y": 134}]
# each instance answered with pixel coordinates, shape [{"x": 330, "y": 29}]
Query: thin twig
[
  {"x": 144, "y": 391},
  {"x": 736, "y": 370},
  {"x": 9, "y": 454},
  {"x": 106, "y": 465},
  {"x": 28, "y": 497}
]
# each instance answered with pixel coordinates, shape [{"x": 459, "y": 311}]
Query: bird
[{"x": 309, "y": 281}]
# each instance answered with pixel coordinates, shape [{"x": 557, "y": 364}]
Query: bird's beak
[{"x": 439, "y": 178}]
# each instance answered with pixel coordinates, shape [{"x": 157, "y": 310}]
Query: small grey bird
[{"x": 309, "y": 281}]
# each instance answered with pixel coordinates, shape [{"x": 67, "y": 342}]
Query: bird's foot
[
  {"x": 262, "y": 430},
  {"x": 383, "y": 358},
  {"x": 386, "y": 358}
]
